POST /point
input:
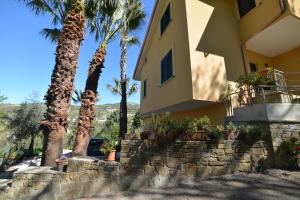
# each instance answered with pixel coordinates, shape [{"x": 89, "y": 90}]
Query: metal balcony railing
[{"x": 263, "y": 94}]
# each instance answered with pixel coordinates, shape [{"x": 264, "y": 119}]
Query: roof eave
[{"x": 136, "y": 73}]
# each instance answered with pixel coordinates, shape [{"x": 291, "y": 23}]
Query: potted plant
[
  {"x": 109, "y": 148},
  {"x": 202, "y": 124}
]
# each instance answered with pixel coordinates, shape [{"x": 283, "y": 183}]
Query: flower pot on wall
[{"x": 111, "y": 156}]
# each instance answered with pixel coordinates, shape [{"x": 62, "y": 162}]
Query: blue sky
[{"x": 27, "y": 59}]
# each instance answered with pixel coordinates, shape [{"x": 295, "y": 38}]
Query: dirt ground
[{"x": 271, "y": 185}]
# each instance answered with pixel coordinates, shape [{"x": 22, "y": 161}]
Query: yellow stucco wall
[
  {"x": 214, "y": 44},
  {"x": 215, "y": 113},
  {"x": 179, "y": 88},
  {"x": 289, "y": 63},
  {"x": 295, "y": 7},
  {"x": 259, "y": 60}
]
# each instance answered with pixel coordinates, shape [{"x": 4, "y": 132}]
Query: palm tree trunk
[
  {"x": 31, "y": 145},
  {"x": 89, "y": 98},
  {"x": 123, "y": 104},
  {"x": 58, "y": 97}
]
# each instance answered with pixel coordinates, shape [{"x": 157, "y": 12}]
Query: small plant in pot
[
  {"x": 109, "y": 148},
  {"x": 202, "y": 124},
  {"x": 189, "y": 126},
  {"x": 110, "y": 144}
]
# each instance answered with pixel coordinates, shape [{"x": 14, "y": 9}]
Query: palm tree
[
  {"x": 116, "y": 88},
  {"x": 104, "y": 17},
  {"x": 70, "y": 13},
  {"x": 133, "y": 16}
]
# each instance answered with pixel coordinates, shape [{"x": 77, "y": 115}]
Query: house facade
[{"x": 194, "y": 48}]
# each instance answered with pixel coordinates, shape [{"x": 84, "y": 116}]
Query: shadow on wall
[
  {"x": 221, "y": 37},
  {"x": 208, "y": 83}
]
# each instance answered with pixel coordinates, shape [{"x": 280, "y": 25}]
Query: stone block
[
  {"x": 217, "y": 163},
  {"x": 224, "y": 158},
  {"x": 219, "y": 152},
  {"x": 162, "y": 171},
  {"x": 257, "y": 151},
  {"x": 192, "y": 155},
  {"x": 204, "y": 171},
  {"x": 219, "y": 170},
  {"x": 190, "y": 169},
  {"x": 172, "y": 162},
  {"x": 150, "y": 170},
  {"x": 244, "y": 167}
]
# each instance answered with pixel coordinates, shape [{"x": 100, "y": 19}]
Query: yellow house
[{"x": 193, "y": 48}]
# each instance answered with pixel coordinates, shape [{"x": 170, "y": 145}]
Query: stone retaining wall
[
  {"x": 85, "y": 177},
  {"x": 193, "y": 158},
  {"x": 145, "y": 165}
]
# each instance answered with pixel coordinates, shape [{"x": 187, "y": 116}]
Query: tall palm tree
[
  {"x": 104, "y": 17},
  {"x": 133, "y": 16},
  {"x": 116, "y": 88},
  {"x": 70, "y": 13}
]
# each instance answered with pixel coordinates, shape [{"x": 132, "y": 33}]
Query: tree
[
  {"x": 133, "y": 16},
  {"x": 25, "y": 122},
  {"x": 136, "y": 121},
  {"x": 103, "y": 17},
  {"x": 2, "y": 99},
  {"x": 117, "y": 87},
  {"x": 70, "y": 13}
]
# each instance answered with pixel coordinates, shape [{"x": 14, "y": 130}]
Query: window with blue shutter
[
  {"x": 165, "y": 20},
  {"x": 145, "y": 88},
  {"x": 166, "y": 67},
  {"x": 245, "y": 6}
]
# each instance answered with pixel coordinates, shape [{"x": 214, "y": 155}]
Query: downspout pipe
[{"x": 283, "y": 7}]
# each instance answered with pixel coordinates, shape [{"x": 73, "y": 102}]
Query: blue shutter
[
  {"x": 169, "y": 64},
  {"x": 165, "y": 20},
  {"x": 145, "y": 88}
]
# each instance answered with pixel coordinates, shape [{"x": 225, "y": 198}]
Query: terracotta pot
[
  {"x": 111, "y": 156},
  {"x": 200, "y": 135}
]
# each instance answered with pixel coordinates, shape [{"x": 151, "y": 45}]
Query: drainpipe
[{"x": 283, "y": 7}]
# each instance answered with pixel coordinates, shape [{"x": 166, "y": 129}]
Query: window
[
  {"x": 166, "y": 67},
  {"x": 165, "y": 20},
  {"x": 245, "y": 6},
  {"x": 253, "y": 67},
  {"x": 145, "y": 88}
]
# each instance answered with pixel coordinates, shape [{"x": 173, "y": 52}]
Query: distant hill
[{"x": 102, "y": 110}]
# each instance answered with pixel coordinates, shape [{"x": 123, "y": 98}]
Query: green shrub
[
  {"x": 203, "y": 123},
  {"x": 216, "y": 133},
  {"x": 189, "y": 125},
  {"x": 232, "y": 127},
  {"x": 253, "y": 134}
]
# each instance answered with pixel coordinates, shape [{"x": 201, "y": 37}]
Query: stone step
[{"x": 5, "y": 184}]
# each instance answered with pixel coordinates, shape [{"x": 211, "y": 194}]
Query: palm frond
[
  {"x": 51, "y": 34},
  {"x": 133, "y": 89}
]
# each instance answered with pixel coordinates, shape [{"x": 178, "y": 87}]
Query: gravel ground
[{"x": 273, "y": 185}]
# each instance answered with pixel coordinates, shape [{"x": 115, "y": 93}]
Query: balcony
[
  {"x": 265, "y": 102},
  {"x": 264, "y": 14}
]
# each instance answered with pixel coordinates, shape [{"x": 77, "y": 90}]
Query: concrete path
[{"x": 273, "y": 185}]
